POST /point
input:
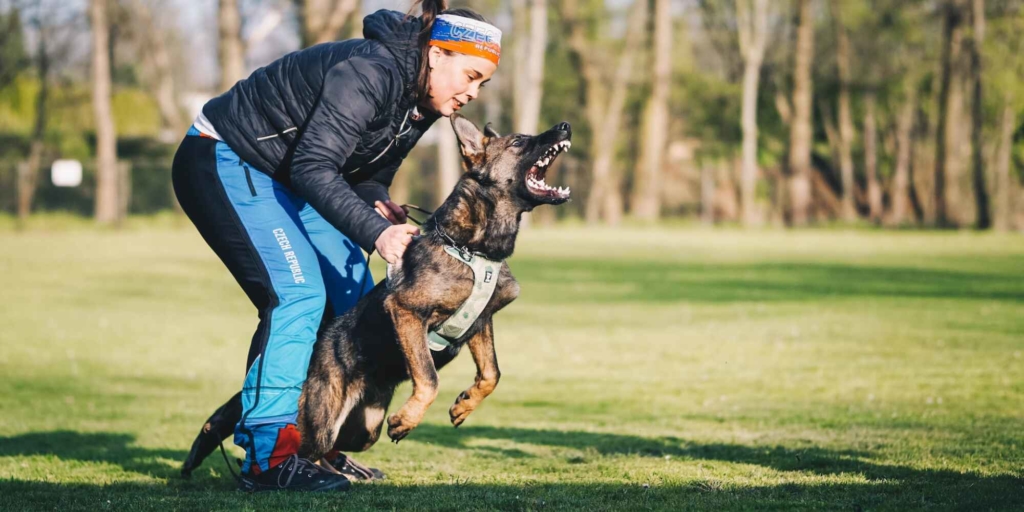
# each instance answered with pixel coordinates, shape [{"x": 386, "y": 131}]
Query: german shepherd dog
[{"x": 361, "y": 356}]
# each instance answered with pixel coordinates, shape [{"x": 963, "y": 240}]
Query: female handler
[{"x": 282, "y": 175}]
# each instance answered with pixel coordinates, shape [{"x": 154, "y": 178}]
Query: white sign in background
[{"x": 66, "y": 173}]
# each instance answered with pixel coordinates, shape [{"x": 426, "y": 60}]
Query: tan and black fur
[{"x": 361, "y": 356}]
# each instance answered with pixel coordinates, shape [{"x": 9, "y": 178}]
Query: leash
[
  {"x": 405, "y": 207},
  {"x": 226, "y": 461}
]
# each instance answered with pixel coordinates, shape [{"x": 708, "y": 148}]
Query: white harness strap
[{"x": 485, "y": 278}]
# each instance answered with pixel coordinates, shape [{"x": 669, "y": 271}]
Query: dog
[{"x": 360, "y": 357}]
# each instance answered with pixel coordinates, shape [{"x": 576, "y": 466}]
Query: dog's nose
[{"x": 564, "y": 127}]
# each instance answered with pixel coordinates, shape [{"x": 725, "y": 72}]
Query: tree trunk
[
  {"x": 904, "y": 149},
  {"x": 322, "y": 20},
  {"x": 107, "y": 180},
  {"x": 983, "y": 219},
  {"x": 871, "y": 159},
  {"x": 449, "y": 161},
  {"x": 28, "y": 175},
  {"x": 707, "y": 195},
  {"x": 605, "y": 118},
  {"x": 530, "y": 89},
  {"x": 752, "y": 28},
  {"x": 800, "y": 134},
  {"x": 158, "y": 61},
  {"x": 849, "y": 211},
  {"x": 646, "y": 201},
  {"x": 1004, "y": 206},
  {"x": 946, "y": 160},
  {"x": 230, "y": 46}
]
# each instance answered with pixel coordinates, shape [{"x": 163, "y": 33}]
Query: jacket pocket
[{"x": 248, "y": 180}]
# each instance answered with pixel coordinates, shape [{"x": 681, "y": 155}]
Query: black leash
[
  {"x": 417, "y": 208},
  {"x": 226, "y": 461}
]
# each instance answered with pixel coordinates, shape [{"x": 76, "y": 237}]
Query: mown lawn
[{"x": 641, "y": 369}]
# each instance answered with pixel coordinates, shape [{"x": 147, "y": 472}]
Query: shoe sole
[{"x": 340, "y": 486}]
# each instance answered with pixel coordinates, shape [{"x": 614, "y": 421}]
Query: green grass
[{"x": 642, "y": 369}]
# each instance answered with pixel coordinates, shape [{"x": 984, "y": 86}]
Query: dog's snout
[{"x": 564, "y": 126}]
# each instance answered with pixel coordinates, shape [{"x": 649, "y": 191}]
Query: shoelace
[{"x": 295, "y": 465}]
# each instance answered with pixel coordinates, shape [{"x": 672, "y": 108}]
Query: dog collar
[{"x": 485, "y": 279}]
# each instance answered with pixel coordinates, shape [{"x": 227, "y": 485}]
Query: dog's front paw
[
  {"x": 399, "y": 427},
  {"x": 460, "y": 410}
]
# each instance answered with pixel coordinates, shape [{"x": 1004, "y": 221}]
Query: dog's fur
[{"x": 361, "y": 356}]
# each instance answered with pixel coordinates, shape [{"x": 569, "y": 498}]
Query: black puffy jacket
[{"x": 326, "y": 120}]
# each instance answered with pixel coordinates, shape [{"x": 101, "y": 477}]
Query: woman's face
[{"x": 455, "y": 79}]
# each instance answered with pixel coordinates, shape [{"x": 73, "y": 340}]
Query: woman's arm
[
  {"x": 354, "y": 92},
  {"x": 374, "y": 192}
]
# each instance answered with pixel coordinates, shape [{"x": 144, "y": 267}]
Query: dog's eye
[{"x": 517, "y": 142}]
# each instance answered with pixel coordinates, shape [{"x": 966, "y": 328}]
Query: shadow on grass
[
  {"x": 594, "y": 282},
  {"x": 101, "y": 447},
  {"x": 891, "y": 487}
]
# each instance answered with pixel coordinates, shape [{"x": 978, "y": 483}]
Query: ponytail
[{"x": 431, "y": 9}]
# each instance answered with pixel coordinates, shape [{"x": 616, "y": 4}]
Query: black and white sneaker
[
  {"x": 294, "y": 474},
  {"x": 353, "y": 470}
]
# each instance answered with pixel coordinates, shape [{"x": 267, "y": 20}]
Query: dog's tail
[{"x": 219, "y": 427}]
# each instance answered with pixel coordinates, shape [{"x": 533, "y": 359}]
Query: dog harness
[{"x": 485, "y": 278}]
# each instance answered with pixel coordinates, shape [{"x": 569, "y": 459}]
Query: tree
[
  {"x": 107, "y": 179},
  {"x": 1005, "y": 46},
  {"x": 752, "y": 26},
  {"x": 321, "y": 21},
  {"x": 156, "y": 60},
  {"x": 28, "y": 173},
  {"x": 871, "y": 157},
  {"x": 904, "y": 150},
  {"x": 646, "y": 201},
  {"x": 801, "y": 135},
  {"x": 13, "y": 58},
  {"x": 977, "y": 40},
  {"x": 529, "y": 63},
  {"x": 604, "y": 105},
  {"x": 846, "y": 134},
  {"x": 950, "y": 103},
  {"x": 231, "y": 48}
]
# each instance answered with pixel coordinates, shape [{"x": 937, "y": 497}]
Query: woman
[{"x": 279, "y": 174}]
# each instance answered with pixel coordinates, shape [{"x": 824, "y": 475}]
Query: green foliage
[{"x": 13, "y": 57}]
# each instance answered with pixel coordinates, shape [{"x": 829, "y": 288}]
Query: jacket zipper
[
  {"x": 248, "y": 179},
  {"x": 268, "y": 137}
]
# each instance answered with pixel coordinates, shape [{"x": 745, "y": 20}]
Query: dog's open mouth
[{"x": 535, "y": 176}]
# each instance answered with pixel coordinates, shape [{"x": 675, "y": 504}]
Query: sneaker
[
  {"x": 350, "y": 468},
  {"x": 294, "y": 474}
]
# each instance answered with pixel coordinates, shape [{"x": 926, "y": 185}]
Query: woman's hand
[
  {"x": 392, "y": 242},
  {"x": 390, "y": 211}
]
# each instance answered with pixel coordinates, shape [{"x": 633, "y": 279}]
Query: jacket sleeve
[
  {"x": 376, "y": 188},
  {"x": 355, "y": 91}
]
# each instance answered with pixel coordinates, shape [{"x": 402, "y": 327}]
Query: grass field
[{"x": 641, "y": 369}]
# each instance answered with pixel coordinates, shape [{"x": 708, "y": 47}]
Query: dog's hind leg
[
  {"x": 325, "y": 402},
  {"x": 360, "y": 431},
  {"x": 362, "y": 428},
  {"x": 217, "y": 428}
]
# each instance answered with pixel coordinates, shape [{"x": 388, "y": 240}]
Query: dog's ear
[
  {"x": 489, "y": 132},
  {"x": 471, "y": 141}
]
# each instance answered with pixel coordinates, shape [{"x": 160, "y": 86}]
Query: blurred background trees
[{"x": 754, "y": 112}]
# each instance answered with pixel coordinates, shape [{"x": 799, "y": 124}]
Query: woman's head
[{"x": 450, "y": 78}]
